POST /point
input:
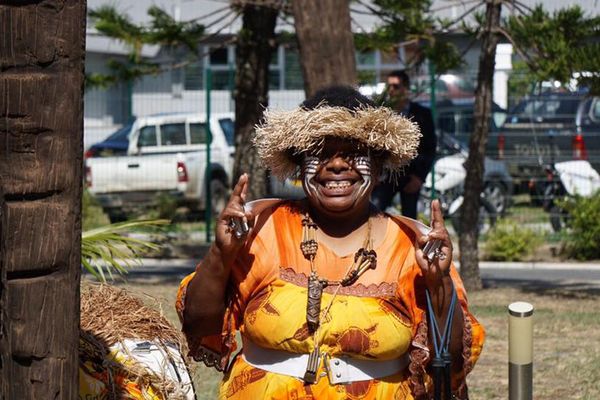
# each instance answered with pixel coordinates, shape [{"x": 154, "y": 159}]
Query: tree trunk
[
  {"x": 469, "y": 266},
  {"x": 255, "y": 44},
  {"x": 326, "y": 43},
  {"x": 41, "y": 150}
]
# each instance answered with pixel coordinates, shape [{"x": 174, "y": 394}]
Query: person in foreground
[{"x": 333, "y": 298}]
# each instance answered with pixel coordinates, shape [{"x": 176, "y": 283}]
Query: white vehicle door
[
  {"x": 195, "y": 160},
  {"x": 153, "y": 169}
]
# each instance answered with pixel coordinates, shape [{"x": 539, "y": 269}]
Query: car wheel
[
  {"x": 219, "y": 194},
  {"x": 487, "y": 217},
  {"x": 496, "y": 194}
]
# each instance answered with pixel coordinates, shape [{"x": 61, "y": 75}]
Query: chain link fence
[{"x": 543, "y": 144}]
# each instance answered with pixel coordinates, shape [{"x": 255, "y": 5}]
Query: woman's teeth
[{"x": 337, "y": 184}]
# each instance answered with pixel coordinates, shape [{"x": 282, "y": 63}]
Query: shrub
[
  {"x": 92, "y": 215},
  {"x": 166, "y": 207},
  {"x": 582, "y": 238},
  {"x": 508, "y": 241}
]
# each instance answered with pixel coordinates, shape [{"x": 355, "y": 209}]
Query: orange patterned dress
[{"x": 380, "y": 317}]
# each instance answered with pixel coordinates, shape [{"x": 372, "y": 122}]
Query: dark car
[
  {"x": 498, "y": 183},
  {"x": 454, "y": 117},
  {"x": 114, "y": 145},
  {"x": 545, "y": 129}
]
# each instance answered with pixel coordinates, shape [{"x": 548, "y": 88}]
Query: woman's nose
[{"x": 337, "y": 164}]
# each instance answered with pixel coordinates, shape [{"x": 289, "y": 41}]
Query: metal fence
[{"x": 543, "y": 142}]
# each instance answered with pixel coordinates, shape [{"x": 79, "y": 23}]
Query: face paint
[
  {"x": 311, "y": 166},
  {"x": 363, "y": 165}
]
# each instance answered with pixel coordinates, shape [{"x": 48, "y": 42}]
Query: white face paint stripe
[{"x": 362, "y": 164}]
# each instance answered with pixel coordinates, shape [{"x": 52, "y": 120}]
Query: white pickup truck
[{"x": 161, "y": 155}]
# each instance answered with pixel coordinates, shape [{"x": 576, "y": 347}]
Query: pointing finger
[{"x": 437, "y": 219}]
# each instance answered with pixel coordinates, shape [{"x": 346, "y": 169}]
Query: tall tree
[
  {"x": 469, "y": 257},
  {"x": 326, "y": 43},
  {"x": 41, "y": 131},
  {"x": 254, "y": 47}
]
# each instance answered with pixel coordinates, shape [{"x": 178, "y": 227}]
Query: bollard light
[{"x": 520, "y": 351}]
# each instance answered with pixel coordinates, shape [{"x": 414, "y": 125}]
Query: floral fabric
[{"x": 380, "y": 317}]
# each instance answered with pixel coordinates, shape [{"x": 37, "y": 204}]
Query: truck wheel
[{"x": 219, "y": 194}]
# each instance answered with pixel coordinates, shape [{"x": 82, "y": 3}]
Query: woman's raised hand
[
  {"x": 225, "y": 236},
  {"x": 437, "y": 267}
]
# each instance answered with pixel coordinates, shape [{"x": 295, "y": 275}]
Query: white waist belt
[{"x": 341, "y": 369}]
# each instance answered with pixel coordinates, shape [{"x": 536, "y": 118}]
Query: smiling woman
[{"x": 331, "y": 295}]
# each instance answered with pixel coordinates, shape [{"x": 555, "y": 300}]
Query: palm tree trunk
[
  {"x": 326, "y": 43},
  {"x": 41, "y": 124},
  {"x": 469, "y": 258}
]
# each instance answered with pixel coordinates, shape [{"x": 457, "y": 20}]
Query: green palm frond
[{"x": 108, "y": 248}]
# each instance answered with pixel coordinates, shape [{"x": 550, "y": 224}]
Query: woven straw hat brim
[{"x": 285, "y": 134}]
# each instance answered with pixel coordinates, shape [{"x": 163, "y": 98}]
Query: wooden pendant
[{"x": 313, "y": 304}]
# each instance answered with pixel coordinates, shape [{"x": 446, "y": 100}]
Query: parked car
[
  {"x": 165, "y": 154},
  {"x": 454, "y": 117},
  {"x": 498, "y": 183},
  {"x": 545, "y": 129}
]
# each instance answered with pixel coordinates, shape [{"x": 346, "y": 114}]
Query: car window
[
  {"x": 596, "y": 109},
  {"x": 172, "y": 134},
  {"x": 198, "y": 133},
  {"x": 446, "y": 122},
  {"x": 147, "y": 136},
  {"x": 228, "y": 129}
]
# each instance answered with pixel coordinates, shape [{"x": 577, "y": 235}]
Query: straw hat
[{"x": 283, "y": 135}]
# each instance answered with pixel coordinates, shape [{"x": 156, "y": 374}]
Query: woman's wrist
[{"x": 441, "y": 292}]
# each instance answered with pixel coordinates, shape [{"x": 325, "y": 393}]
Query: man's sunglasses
[{"x": 395, "y": 86}]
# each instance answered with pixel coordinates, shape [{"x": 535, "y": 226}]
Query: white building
[{"x": 183, "y": 89}]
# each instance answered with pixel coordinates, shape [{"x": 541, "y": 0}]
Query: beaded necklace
[{"x": 365, "y": 258}]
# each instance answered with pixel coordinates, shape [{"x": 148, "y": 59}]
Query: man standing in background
[{"x": 396, "y": 96}]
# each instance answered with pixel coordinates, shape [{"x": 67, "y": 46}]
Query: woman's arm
[
  {"x": 439, "y": 284},
  {"x": 205, "y": 296}
]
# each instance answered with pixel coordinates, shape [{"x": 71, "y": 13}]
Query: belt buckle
[{"x": 333, "y": 376}]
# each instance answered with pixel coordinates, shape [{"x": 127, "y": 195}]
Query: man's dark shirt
[{"x": 421, "y": 165}]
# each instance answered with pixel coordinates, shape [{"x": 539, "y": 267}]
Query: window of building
[
  {"x": 293, "y": 71},
  {"x": 193, "y": 76}
]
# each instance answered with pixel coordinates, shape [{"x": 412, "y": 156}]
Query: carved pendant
[
  {"x": 310, "y": 376},
  {"x": 313, "y": 304}
]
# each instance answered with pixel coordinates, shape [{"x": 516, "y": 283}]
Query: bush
[
  {"x": 165, "y": 208},
  {"x": 92, "y": 215},
  {"x": 508, "y": 241},
  {"x": 582, "y": 236}
]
